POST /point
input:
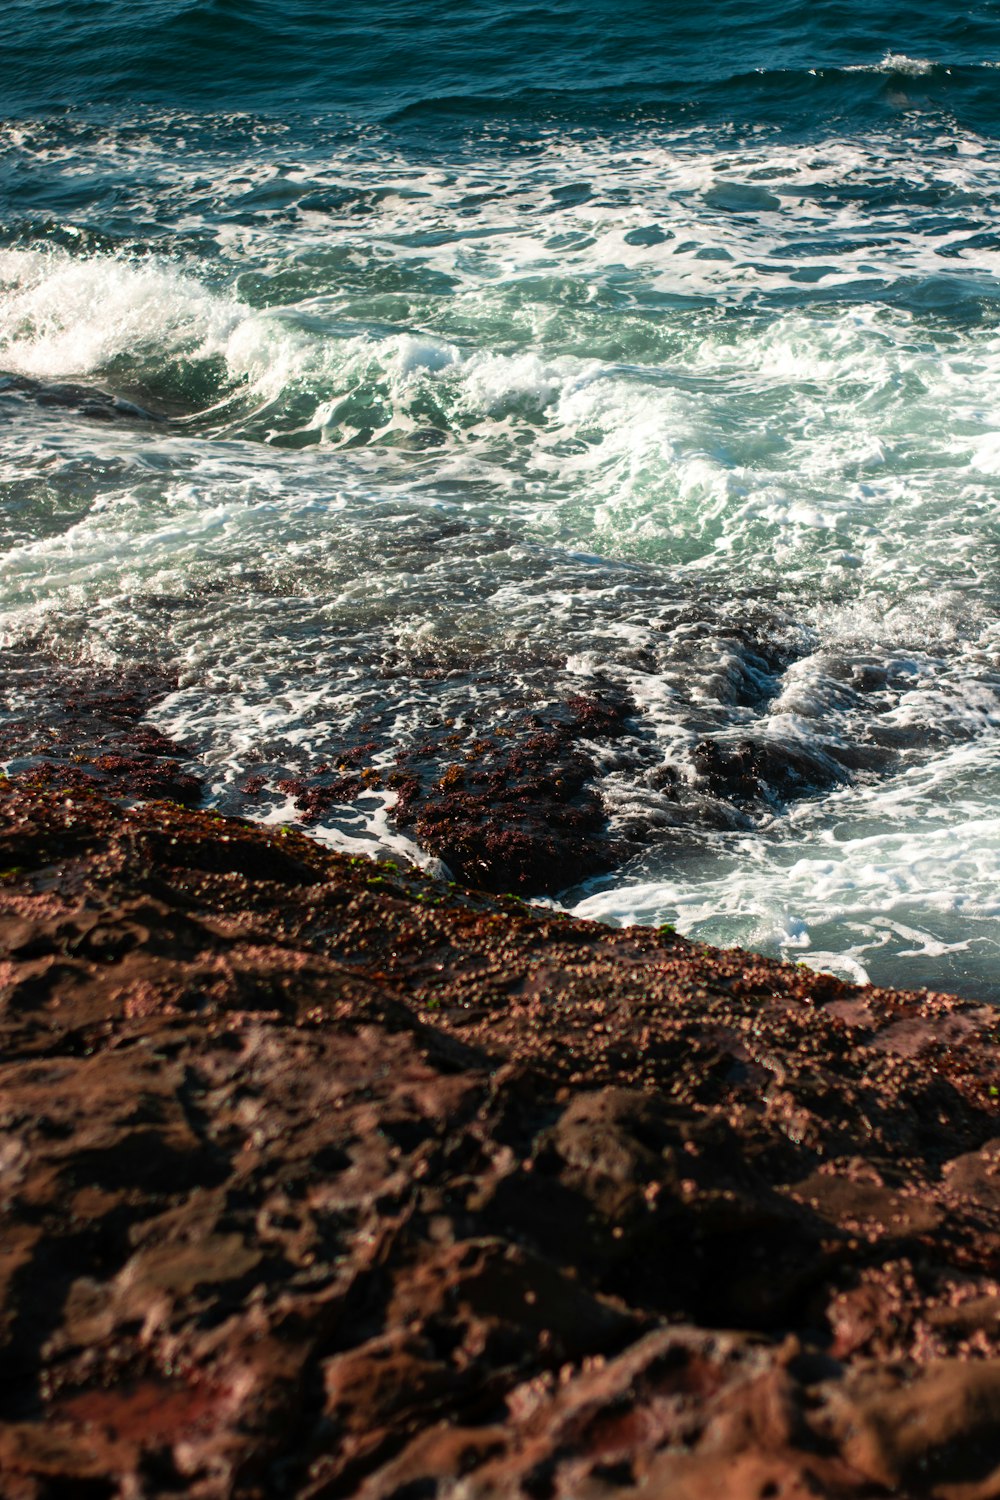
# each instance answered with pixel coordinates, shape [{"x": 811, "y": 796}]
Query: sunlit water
[{"x": 554, "y": 349}]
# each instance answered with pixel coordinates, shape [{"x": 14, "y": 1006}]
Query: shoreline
[{"x": 325, "y": 1178}]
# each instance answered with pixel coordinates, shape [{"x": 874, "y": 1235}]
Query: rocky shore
[{"x": 323, "y": 1179}]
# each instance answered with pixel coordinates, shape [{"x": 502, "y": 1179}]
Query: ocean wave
[
  {"x": 897, "y": 62},
  {"x": 828, "y": 442},
  {"x": 469, "y": 413},
  {"x": 64, "y": 316}
]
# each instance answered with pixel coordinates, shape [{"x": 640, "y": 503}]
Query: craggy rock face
[{"x": 322, "y": 1179}]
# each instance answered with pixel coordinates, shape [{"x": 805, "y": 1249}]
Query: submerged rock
[
  {"x": 321, "y": 1178},
  {"x": 86, "y": 400}
]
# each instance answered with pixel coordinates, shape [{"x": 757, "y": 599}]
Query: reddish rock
[
  {"x": 86, "y": 731},
  {"x": 322, "y": 1179},
  {"x": 517, "y": 812}
]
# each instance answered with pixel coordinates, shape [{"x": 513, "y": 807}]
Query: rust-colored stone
[{"x": 319, "y": 1178}]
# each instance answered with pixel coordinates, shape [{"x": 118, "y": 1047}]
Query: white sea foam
[
  {"x": 894, "y": 883},
  {"x": 62, "y": 317},
  {"x": 712, "y": 391},
  {"x": 895, "y": 62}
]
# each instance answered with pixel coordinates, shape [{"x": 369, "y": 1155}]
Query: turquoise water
[{"x": 498, "y": 353}]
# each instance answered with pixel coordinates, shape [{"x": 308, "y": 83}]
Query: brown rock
[
  {"x": 318, "y": 1178},
  {"x": 935, "y": 1429}
]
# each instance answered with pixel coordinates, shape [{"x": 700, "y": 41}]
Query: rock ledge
[{"x": 321, "y": 1179}]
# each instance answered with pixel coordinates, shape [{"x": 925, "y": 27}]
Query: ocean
[{"x": 370, "y": 373}]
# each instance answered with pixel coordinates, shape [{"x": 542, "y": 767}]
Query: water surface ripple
[{"x": 394, "y": 367}]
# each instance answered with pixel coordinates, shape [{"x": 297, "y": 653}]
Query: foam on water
[
  {"x": 63, "y": 316},
  {"x": 872, "y": 883},
  {"x": 727, "y": 449},
  {"x": 708, "y": 418},
  {"x": 896, "y": 62}
]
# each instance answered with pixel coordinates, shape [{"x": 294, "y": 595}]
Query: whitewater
[{"x": 367, "y": 402}]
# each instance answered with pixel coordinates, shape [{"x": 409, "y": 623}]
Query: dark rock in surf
[
  {"x": 517, "y": 813},
  {"x": 87, "y": 401},
  {"x": 772, "y": 771},
  {"x": 87, "y": 731}
]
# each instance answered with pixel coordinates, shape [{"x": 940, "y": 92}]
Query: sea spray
[{"x": 463, "y": 382}]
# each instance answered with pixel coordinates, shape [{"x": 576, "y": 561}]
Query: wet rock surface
[
  {"x": 516, "y": 812},
  {"x": 81, "y": 730},
  {"x": 321, "y": 1178},
  {"x": 509, "y": 807},
  {"x": 527, "y": 795},
  {"x": 525, "y": 767},
  {"x": 83, "y": 400}
]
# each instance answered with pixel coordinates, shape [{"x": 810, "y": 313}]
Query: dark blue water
[
  {"x": 495, "y": 353},
  {"x": 775, "y": 62}
]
